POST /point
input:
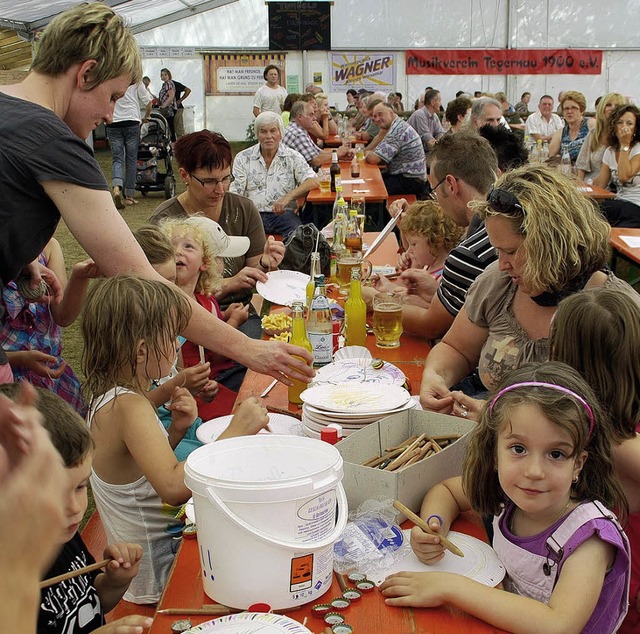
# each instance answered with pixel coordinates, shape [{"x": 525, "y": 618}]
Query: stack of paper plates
[{"x": 351, "y": 404}]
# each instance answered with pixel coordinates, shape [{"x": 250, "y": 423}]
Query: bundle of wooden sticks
[{"x": 409, "y": 452}]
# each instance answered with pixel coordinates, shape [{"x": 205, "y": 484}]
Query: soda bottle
[
  {"x": 353, "y": 239},
  {"x": 334, "y": 169},
  {"x": 298, "y": 338},
  {"x": 355, "y": 168},
  {"x": 355, "y": 312},
  {"x": 319, "y": 326},
  {"x": 565, "y": 161}
]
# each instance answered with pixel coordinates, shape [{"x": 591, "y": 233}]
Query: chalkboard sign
[{"x": 300, "y": 26}]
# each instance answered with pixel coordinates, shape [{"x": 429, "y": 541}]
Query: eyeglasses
[
  {"x": 432, "y": 193},
  {"x": 504, "y": 202},
  {"x": 570, "y": 108},
  {"x": 212, "y": 183}
]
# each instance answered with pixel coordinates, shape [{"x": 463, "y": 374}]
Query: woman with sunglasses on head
[
  {"x": 621, "y": 168},
  {"x": 204, "y": 159},
  {"x": 551, "y": 242}
]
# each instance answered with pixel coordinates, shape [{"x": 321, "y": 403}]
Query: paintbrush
[{"x": 418, "y": 521}]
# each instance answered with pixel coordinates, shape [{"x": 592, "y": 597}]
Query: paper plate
[
  {"x": 284, "y": 287},
  {"x": 355, "y": 398},
  {"x": 250, "y": 622},
  {"x": 190, "y": 511},
  {"x": 279, "y": 424},
  {"x": 359, "y": 370},
  {"x": 480, "y": 561}
]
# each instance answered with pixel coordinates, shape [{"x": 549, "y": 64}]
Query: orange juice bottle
[
  {"x": 298, "y": 338},
  {"x": 355, "y": 312}
]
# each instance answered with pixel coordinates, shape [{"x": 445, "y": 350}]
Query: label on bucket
[
  {"x": 301, "y": 572},
  {"x": 316, "y": 517}
]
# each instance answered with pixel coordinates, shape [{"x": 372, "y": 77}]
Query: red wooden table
[
  {"x": 595, "y": 192},
  {"x": 370, "y": 615},
  {"x": 621, "y": 249},
  {"x": 373, "y": 188}
]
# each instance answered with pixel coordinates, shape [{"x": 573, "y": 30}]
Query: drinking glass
[
  {"x": 324, "y": 180},
  {"x": 346, "y": 262},
  {"x": 387, "y": 319}
]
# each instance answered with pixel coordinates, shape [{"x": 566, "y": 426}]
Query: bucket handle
[{"x": 252, "y": 530}]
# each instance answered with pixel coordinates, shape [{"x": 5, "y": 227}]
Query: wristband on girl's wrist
[{"x": 434, "y": 516}]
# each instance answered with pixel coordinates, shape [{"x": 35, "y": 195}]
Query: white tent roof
[{"x": 28, "y": 16}]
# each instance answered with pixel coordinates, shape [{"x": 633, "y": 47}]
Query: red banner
[{"x": 567, "y": 61}]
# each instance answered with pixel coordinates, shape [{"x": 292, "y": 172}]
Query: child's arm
[
  {"x": 132, "y": 624},
  {"x": 248, "y": 420},
  {"x": 184, "y": 411},
  {"x": 444, "y": 501},
  {"x": 570, "y": 607},
  {"x": 194, "y": 379},
  {"x": 114, "y": 581},
  {"x": 38, "y": 362}
]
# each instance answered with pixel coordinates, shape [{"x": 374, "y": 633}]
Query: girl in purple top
[{"x": 539, "y": 461}]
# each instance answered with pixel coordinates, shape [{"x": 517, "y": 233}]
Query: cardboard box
[{"x": 408, "y": 485}]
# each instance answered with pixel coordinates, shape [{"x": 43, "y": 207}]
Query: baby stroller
[{"x": 154, "y": 155}]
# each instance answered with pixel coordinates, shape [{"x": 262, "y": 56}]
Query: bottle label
[{"x": 322, "y": 344}]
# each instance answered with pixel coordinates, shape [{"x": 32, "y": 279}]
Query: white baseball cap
[{"x": 224, "y": 246}]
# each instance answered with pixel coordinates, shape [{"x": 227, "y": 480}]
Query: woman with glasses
[
  {"x": 576, "y": 126},
  {"x": 204, "y": 160},
  {"x": 621, "y": 168},
  {"x": 551, "y": 242}
]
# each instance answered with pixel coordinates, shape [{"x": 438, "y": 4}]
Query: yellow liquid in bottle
[
  {"x": 355, "y": 316},
  {"x": 298, "y": 338}
]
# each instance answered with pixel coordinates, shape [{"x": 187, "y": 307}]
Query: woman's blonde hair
[
  {"x": 591, "y": 328},
  {"x": 119, "y": 313},
  {"x": 425, "y": 219},
  {"x": 597, "y": 479},
  {"x": 209, "y": 279},
  {"x": 602, "y": 122},
  {"x": 566, "y": 238},
  {"x": 89, "y": 31}
]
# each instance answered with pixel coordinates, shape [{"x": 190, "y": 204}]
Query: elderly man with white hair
[{"x": 273, "y": 176}]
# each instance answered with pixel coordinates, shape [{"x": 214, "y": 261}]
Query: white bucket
[{"x": 266, "y": 512}]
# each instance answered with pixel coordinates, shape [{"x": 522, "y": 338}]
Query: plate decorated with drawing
[
  {"x": 355, "y": 398},
  {"x": 250, "y": 622},
  {"x": 280, "y": 424},
  {"x": 359, "y": 370},
  {"x": 284, "y": 287}
]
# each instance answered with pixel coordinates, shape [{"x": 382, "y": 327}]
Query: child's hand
[
  {"x": 124, "y": 565},
  {"x": 209, "y": 391},
  {"x": 38, "y": 362},
  {"x": 183, "y": 409},
  {"x": 194, "y": 378},
  {"x": 236, "y": 314},
  {"x": 427, "y": 548},
  {"x": 132, "y": 624},
  {"x": 87, "y": 269},
  {"x": 248, "y": 419},
  {"x": 418, "y": 589}
]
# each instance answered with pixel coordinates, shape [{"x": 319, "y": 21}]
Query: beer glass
[
  {"x": 387, "y": 319},
  {"x": 358, "y": 203},
  {"x": 360, "y": 151},
  {"x": 346, "y": 262},
  {"x": 324, "y": 180}
]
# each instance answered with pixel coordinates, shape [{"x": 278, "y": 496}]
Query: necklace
[{"x": 560, "y": 514}]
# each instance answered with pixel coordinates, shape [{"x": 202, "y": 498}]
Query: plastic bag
[{"x": 371, "y": 540}]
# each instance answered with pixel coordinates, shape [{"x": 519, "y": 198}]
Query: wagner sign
[
  {"x": 504, "y": 62},
  {"x": 373, "y": 71}
]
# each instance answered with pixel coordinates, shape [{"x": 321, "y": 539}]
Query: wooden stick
[
  {"x": 402, "y": 460},
  {"x": 374, "y": 462},
  {"x": 408, "y": 450},
  {"x": 74, "y": 573},
  {"x": 418, "y": 521},
  {"x": 443, "y": 438},
  {"x": 341, "y": 582},
  {"x": 408, "y": 441},
  {"x": 214, "y": 609},
  {"x": 281, "y": 410}
]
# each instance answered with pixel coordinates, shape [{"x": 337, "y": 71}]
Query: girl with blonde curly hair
[
  {"x": 551, "y": 241},
  {"x": 200, "y": 245}
]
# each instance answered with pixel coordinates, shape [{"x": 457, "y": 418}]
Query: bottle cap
[
  {"x": 320, "y": 610},
  {"x": 340, "y": 603},
  {"x": 330, "y": 435},
  {"x": 333, "y": 618},
  {"x": 336, "y": 426},
  {"x": 183, "y": 625}
]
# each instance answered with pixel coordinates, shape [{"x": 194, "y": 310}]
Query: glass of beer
[
  {"x": 360, "y": 151},
  {"x": 324, "y": 180},
  {"x": 387, "y": 319},
  {"x": 346, "y": 262}
]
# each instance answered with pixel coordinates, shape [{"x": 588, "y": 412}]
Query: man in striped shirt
[{"x": 463, "y": 168}]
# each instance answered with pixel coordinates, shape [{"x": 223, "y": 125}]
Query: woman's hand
[
  {"x": 466, "y": 406},
  {"x": 434, "y": 394},
  {"x": 273, "y": 253},
  {"x": 244, "y": 279},
  {"x": 625, "y": 135}
]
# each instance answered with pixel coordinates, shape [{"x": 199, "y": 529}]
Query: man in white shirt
[
  {"x": 273, "y": 176},
  {"x": 543, "y": 124}
]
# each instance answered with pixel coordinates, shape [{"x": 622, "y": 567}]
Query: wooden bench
[{"x": 95, "y": 539}]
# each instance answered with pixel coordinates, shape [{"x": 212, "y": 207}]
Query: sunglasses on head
[{"x": 504, "y": 202}]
